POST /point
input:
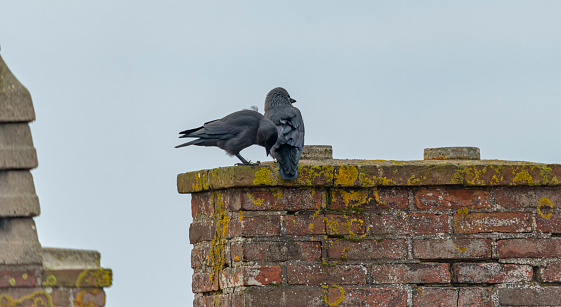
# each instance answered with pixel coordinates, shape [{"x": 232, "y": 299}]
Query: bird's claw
[{"x": 248, "y": 164}]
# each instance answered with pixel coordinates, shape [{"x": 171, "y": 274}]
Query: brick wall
[{"x": 377, "y": 233}]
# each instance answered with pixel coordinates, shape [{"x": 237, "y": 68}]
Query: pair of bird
[{"x": 280, "y": 130}]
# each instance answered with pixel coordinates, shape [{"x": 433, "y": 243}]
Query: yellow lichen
[
  {"x": 346, "y": 176},
  {"x": 357, "y": 197},
  {"x": 217, "y": 248},
  {"x": 336, "y": 301},
  {"x": 37, "y": 298},
  {"x": 256, "y": 201},
  {"x": 264, "y": 176},
  {"x": 545, "y": 202},
  {"x": 94, "y": 278},
  {"x": 522, "y": 176},
  {"x": 50, "y": 281}
]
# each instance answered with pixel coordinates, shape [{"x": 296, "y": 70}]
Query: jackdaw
[
  {"x": 234, "y": 132},
  {"x": 287, "y": 150}
]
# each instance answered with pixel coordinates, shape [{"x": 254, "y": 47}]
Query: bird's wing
[{"x": 292, "y": 128}]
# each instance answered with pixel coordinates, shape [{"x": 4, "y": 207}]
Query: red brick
[
  {"x": 200, "y": 255},
  {"x": 320, "y": 275},
  {"x": 408, "y": 224},
  {"x": 367, "y": 249},
  {"x": 472, "y": 297},
  {"x": 344, "y": 224},
  {"x": 529, "y": 248},
  {"x": 551, "y": 272},
  {"x": 411, "y": 273},
  {"x": 202, "y": 282},
  {"x": 527, "y": 197},
  {"x": 250, "y": 276},
  {"x": 452, "y": 249},
  {"x": 201, "y": 204},
  {"x": 39, "y": 297},
  {"x": 261, "y": 226},
  {"x": 460, "y": 297},
  {"x": 492, "y": 273},
  {"x": 534, "y": 296},
  {"x": 372, "y": 198},
  {"x": 279, "y": 251},
  {"x": 283, "y": 297},
  {"x": 17, "y": 278},
  {"x": 302, "y": 225},
  {"x": 281, "y": 199},
  {"x": 379, "y": 297},
  {"x": 492, "y": 222},
  {"x": 90, "y": 298},
  {"x": 452, "y": 198},
  {"x": 549, "y": 224},
  {"x": 199, "y": 232},
  {"x": 432, "y": 296}
]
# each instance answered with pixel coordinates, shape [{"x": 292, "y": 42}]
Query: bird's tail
[
  {"x": 193, "y": 142},
  {"x": 288, "y": 157}
]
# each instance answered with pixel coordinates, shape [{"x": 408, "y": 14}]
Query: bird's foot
[{"x": 248, "y": 164}]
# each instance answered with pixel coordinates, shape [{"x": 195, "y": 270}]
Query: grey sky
[{"x": 113, "y": 82}]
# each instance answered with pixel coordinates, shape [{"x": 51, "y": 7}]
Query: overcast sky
[{"x": 113, "y": 82}]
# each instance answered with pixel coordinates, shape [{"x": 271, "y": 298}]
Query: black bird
[
  {"x": 234, "y": 132},
  {"x": 287, "y": 150}
]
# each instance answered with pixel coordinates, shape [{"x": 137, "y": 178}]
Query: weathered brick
[
  {"x": 551, "y": 272},
  {"x": 302, "y": 225},
  {"x": 199, "y": 232},
  {"x": 261, "y": 226},
  {"x": 527, "y": 197},
  {"x": 408, "y": 224},
  {"x": 511, "y": 173},
  {"x": 411, "y": 273},
  {"x": 367, "y": 249},
  {"x": 299, "y": 274},
  {"x": 534, "y": 296},
  {"x": 284, "y": 297},
  {"x": 433, "y": 296},
  {"x": 475, "y": 297},
  {"x": 458, "y": 297},
  {"x": 278, "y": 251},
  {"x": 250, "y": 276},
  {"x": 492, "y": 273},
  {"x": 202, "y": 282},
  {"x": 17, "y": 278},
  {"x": 281, "y": 199},
  {"x": 452, "y": 198},
  {"x": 344, "y": 224},
  {"x": 529, "y": 248},
  {"x": 200, "y": 255},
  {"x": 492, "y": 222},
  {"x": 35, "y": 297},
  {"x": 371, "y": 198},
  {"x": 89, "y": 297},
  {"x": 91, "y": 278},
  {"x": 379, "y": 297},
  {"x": 549, "y": 223},
  {"x": 452, "y": 249},
  {"x": 201, "y": 204}
]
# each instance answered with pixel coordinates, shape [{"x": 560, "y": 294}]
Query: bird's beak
[
  {"x": 267, "y": 151},
  {"x": 292, "y": 100}
]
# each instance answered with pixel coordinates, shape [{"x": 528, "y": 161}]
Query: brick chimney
[
  {"x": 29, "y": 274},
  {"x": 451, "y": 230}
]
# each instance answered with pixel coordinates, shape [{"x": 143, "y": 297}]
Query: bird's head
[
  {"x": 278, "y": 96},
  {"x": 267, "y": 134}
]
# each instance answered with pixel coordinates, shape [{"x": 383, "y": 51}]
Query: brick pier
[{"x": 377, "y": 233}]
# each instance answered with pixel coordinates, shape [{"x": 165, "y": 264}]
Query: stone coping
[{"x": 370, "y": 173}]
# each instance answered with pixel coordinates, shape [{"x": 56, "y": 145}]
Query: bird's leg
[{"x": 244, "y": 161}]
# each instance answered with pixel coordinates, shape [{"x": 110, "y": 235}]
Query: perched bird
[
  {"x": 234, "y": 132},
  {"x": 287, "y": 150}
]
